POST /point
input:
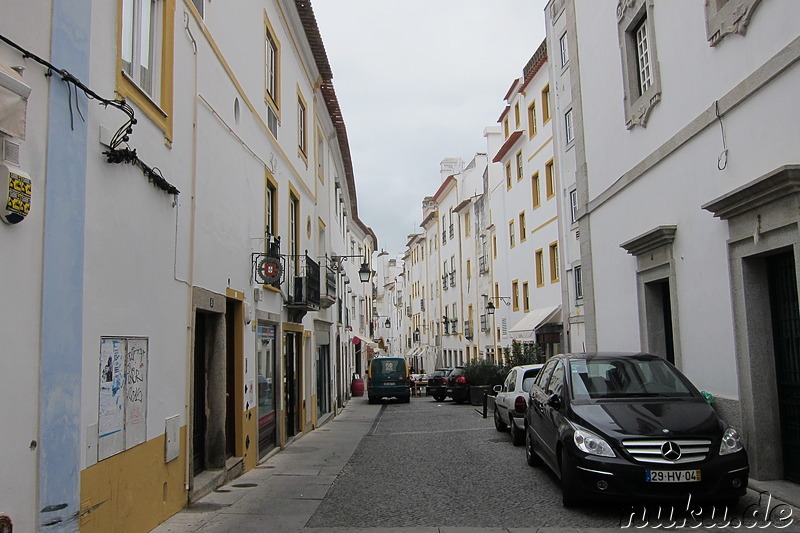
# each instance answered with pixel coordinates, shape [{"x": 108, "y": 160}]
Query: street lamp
[
  {"x": 490, "y": 307},
  {"x": 364, "y": 273}
]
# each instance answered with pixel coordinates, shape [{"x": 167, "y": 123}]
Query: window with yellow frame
[
  {"x": 532, "y": 128},
  {"x": 554, "y": 275},
  {"x": 526, "y": 297},
  {"x": 550, "y": 179},
  {"x": 539, "y": 262},
  {"x": 145, "y": 58},
  {"x": 515, "y": 295}
]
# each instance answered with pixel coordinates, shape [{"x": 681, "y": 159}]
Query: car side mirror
[
  {"x": 497, "y": 388},
  {"x": 554, "y": 401}
]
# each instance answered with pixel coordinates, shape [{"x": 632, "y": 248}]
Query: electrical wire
[
  {"x": 722, "y": 160},
  {"x": 115, "y": 154}
]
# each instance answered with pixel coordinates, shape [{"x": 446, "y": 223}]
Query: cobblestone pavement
[{"x": 423, "y": 467}]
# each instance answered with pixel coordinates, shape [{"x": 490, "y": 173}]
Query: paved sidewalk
[{"x": 281, "y": 493}]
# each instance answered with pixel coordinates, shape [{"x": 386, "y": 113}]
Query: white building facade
[{"x": 686, "y": 177}]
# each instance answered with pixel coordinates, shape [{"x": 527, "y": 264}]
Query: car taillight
[
  {"x": 520, "y": 405},
  {"x": 461, "y": 380},
  {"x": 369, "y": 383}
]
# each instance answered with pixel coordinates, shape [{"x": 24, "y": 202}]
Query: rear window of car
[
  {"x": 630, "y": 377},
  {"x": 440, "y": 373},
  {"x": 529, "y": 378},
  {"x": 389, "y": 368}
]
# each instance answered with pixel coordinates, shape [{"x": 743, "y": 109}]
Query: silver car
[{"x": 511, "y": 401}]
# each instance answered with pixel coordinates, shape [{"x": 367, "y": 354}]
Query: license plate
[
  {"x": 388, "y": 383},
  {"x": 672, "y": 476}
]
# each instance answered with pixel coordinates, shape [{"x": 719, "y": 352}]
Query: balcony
[
  {"x": 452, "y": 231},
  {"x": 444, "y": 282},
  {"x": 444, "y": 236},
  {"x": 468, "y": 329},
  {"x": 422, "y": 304},
  {"x": 408, "y": 310},
  {"x": 304, "y": 287},
  {"x": 452, "y": 278},
  {"x": 484, "y": 323},
  {"x": 328, "y": 296}
]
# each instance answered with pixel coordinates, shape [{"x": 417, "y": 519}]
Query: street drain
[{"x": 245, "y": 485}]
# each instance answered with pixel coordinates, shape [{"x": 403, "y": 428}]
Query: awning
[
  {"x": 525, "y": 329},
  {"x": 14, "y": 94},
  {"x": 415, "y": 352}
]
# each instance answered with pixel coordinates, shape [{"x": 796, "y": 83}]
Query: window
[
  {"x": 271, "y": 207},
  {"x": 641, "y": 83},
  {"x": 515, "y": 295},
  {"x": 539, "y": 268},
  {"x": 508, "y": 175},
  {"x": 140, "y": 20},
  {"x": 519, "y": 166},
  {"x": 554, "y": 269},
  {"x": 199, "y": 5},
  {"x": 494, "y": 246},
  {"x": 535, "y": 190},
  {"x": 294, "y": 229},
  {"x": 573, "y": 204},
  {"x": 506, "y": 131},
  {"x": 578, "y": 282},
  {"x": 145, "y": 52},
  {"x": 511, "y": 234},
  {"x": 569, "y": 134},
  {"x": 301, "y": 126},
  {"x": 522, "y": 230},
  {"x": 516, "y": 115},
  {"x": 526, "y": 297},
  {"x": 643, "y": 58},
  {"x": 546, "y": 103},
  {"x": 550, "y": 184},
  {"x": 271, "y": 77},
  {"x": 564, "y": 50},
  {"x": 469, "y": 269},
  {"x": 532, "y": 119},
  {"x": 466, "y": 224}
]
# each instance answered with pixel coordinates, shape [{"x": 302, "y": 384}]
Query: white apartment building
[
  {"x": 686, "y": 175},
  {"x": 177, "y": 310},
  {"x": 524, "y": 199}
]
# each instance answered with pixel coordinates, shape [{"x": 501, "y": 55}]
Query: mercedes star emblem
[{"x": 671, "y": 451}]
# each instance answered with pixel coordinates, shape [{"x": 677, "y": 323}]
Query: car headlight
[
  {"x": 731, "y": 442},
  {"x": 588, "y": 442}
]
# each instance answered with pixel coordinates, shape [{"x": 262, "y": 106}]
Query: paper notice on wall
[
  {"x": 135, "y": 392},
  {"x": 111, "y": 415}
]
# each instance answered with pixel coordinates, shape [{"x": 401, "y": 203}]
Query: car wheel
[
  {"x": 439, "y": 398},
  {"x": 498, "y": 424},
  {"x": 407, "y": 399},
  {"x": 569, "y": 481},
  {"x": 517, "y": 437},
  {"x": 530, "y": 452}
]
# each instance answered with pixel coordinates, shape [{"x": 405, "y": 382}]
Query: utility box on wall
[{"x": 15, "y": 194}]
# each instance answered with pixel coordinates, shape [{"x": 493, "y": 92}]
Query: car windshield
[{"x": 629, "y": 377}]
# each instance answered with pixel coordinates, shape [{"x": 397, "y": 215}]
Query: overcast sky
[{"x": 418, "y": 81}]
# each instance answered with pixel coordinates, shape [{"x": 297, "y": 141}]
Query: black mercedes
[{"x": 630, "y": 426}]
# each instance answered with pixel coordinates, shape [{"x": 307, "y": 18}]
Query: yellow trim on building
[{"x": 134, "y": 490}]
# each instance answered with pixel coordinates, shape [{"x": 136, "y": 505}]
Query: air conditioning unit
[{"x": 258, "y": 294}]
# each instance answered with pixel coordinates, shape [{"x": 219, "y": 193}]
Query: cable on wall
[{"x": 115, "y": 154}]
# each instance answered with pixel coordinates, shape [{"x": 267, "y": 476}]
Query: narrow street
[{"x": 424, "y": 467}]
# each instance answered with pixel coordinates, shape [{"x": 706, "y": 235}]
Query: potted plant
[{"x": 482, "y": 375}]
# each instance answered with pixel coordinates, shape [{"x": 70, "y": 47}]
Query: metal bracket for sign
[{"x": 267, "y": 269}]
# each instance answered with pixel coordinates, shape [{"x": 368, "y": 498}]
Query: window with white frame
[
  {"x": 568, "y": 130},
  {"x": 141, "y": 30},
  {"x": 640, "y": 72},
  {"x": 564, "y": 50},
  {"x": 302, "y": 142},
  {"x": 573, "y": 204},
  {"x": 578, "y": 282}
]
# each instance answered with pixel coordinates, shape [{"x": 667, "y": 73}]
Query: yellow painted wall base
[
  {"x": 250, "y": 439},
  {"x": 134, "y": 490}
]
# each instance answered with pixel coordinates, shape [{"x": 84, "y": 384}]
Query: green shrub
[{"x": 484, "y": 372}]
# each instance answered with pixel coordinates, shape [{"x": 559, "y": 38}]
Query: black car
[
  {"x": 630, "y": 426},
  {"x": 457, "y": 386},
  {"x": 437, "y": 383}
]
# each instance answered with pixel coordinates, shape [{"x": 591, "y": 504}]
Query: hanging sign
[
  {"x": 269, "y": 270},
  {"x": 15, "y": 194}
]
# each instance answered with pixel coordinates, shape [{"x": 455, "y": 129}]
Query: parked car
[
  {"x": 457, "y": 386},
  {"x": 388, "y": 377},
  {"x": 511, "y": 401},
  {"x": 630, "y": 425},
  {"x": 437, "y": 383}
]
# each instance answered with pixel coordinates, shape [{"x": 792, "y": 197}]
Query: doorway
[
  {"x": 199, "y": 397},
  {"x": 659, "y": 319},
  {"x": 265, "y": 367},
  {"x": 323, "y": 379},
  {"x": 291, "y": 382},
  {"x": 785, "y": 318}
]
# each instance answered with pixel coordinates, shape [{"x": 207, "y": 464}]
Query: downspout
[{"x": 192, "y": 223}]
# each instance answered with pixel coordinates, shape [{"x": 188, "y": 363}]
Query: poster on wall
[{"x": 122, "y": 405}]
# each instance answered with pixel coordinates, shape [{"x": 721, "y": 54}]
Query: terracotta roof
[
  {"x": 445, "y": 184},
  {"x": 507, "y": 146},
  {"x": 306, "y": 14},
  {"x": 504, "y": 113},
  {"x": 511, "y": 89},
  {"x": 535, "y": 63}
]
